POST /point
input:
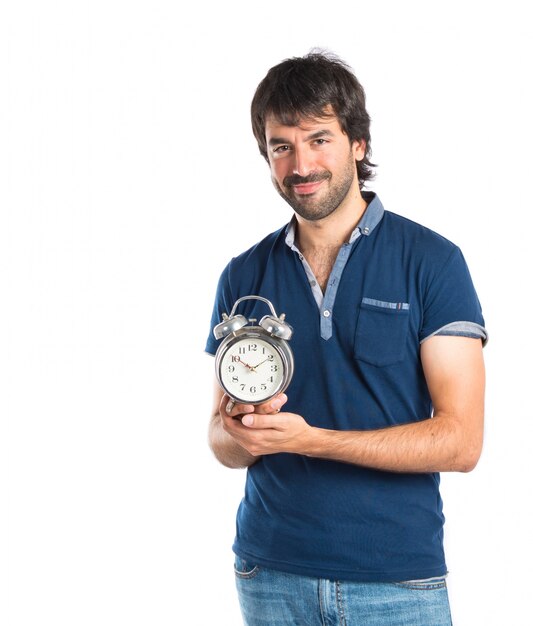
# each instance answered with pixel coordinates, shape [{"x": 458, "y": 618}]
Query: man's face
[{"x": 313, "y": 165}]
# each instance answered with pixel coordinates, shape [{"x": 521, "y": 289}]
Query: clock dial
[{"x": 252, "y": 370}]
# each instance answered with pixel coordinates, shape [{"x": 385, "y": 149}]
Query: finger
[
  {"x": 258, "y": 420},
  {"x": 272, "y": 406},
  {"x": 229, "y": 408}
]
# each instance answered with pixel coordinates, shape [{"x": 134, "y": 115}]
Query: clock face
[{"x": 251, "y": 370}]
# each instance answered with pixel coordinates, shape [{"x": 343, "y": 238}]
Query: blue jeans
[{"x": 272, "y": 598}]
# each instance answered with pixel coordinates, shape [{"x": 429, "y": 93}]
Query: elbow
[
  {"x": 468, "y": 458},
  {"x": 222, "y": 456},
  {"x": 464, "y": 443},
  {"x": 221, "y": 453},
  {"x": 467, "y": 466}
]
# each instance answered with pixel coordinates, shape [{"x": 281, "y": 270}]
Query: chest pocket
[{"x": 381, "y": 333}]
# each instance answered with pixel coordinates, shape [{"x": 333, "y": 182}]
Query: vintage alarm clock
[{"x": 253, "y": 363}]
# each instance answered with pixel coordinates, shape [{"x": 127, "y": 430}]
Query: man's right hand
[{"x": 225, "y": 427}]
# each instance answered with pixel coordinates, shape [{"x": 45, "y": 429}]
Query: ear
[{"x": 359, "y": 149}]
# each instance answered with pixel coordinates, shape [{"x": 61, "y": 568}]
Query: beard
[{"x": 313, "y": 208}]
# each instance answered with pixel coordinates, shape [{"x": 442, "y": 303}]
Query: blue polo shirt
[{"x": 357, "y": 367}]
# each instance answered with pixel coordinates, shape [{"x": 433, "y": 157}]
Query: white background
[{"x": 129, "y": 176}]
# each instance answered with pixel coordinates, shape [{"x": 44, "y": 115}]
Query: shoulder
[
  {"x": 408, "y": 228},
  {"x": 245, "y": 270},
  {"x": 416, "y": 240},
  {"x": 259, "y": 252}
]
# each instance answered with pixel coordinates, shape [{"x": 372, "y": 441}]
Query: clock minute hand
[{"x": 258, "y": 364}]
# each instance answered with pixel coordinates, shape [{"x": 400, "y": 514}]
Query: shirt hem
[
  {"x": 461, "y": 329},
  {"x": 361, "y": 576}
]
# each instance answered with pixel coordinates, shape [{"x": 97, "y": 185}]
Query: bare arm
[
  {"x": 224, "y": 447},
  {"x": 450, "y": 441}
]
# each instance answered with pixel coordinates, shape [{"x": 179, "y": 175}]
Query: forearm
[
  {"x": 449, "y": 441},
  {"x": 226, "y": 449},
  {"x": 439, "y": 444}
]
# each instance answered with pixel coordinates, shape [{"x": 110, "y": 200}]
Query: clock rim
[{"x": 280, "y": 345}]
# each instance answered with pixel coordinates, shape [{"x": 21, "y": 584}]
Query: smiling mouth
[{"x": 307, "y": 188}]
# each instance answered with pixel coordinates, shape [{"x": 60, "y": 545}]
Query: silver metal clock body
[
  {"x": 253, "y": 366},
  {"x": 253, "y": 363}
]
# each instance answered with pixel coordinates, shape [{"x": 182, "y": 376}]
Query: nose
[{"x": 303, "y": 162}]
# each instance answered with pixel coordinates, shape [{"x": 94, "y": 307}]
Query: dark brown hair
[{"x": 305, "y": 87}]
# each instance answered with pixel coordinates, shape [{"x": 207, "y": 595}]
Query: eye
[
  {"x": 320, "y": 142},
  {"x": 280, "y": 149}
]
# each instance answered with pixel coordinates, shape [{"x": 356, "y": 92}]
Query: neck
[{"x": 333, "y": 230}]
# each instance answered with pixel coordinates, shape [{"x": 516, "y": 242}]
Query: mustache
[{"x": 313, "y": 177}]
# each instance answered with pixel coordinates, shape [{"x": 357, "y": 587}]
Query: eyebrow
[{"x": 276, "y": 141}]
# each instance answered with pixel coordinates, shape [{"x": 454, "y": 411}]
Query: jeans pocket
[
  {"x": 381, "y": 333},
  {"x": 426, "y": 584},
  {"x": 244, "y": 569}
]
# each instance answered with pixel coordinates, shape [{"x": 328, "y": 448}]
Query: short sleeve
[
  {"x": 451, "y": 305},
  {"x": 223, "y": 304}
]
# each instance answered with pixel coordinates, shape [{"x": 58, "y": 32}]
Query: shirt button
[
  {"x": 326, "y": 313},
  {"x": 313, "y": 283},
  {"x": 366, "y": 230}
]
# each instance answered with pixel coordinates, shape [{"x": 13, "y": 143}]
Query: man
[{"x": 342, "y": 522}]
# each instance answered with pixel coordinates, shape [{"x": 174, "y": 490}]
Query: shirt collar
[{"x": 369, "y": 220}]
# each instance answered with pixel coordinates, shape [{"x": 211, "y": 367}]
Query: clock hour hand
[{"x": 239, "y": 360}]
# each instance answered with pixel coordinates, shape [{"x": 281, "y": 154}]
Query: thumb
[{"x": 247, "y": 420}]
